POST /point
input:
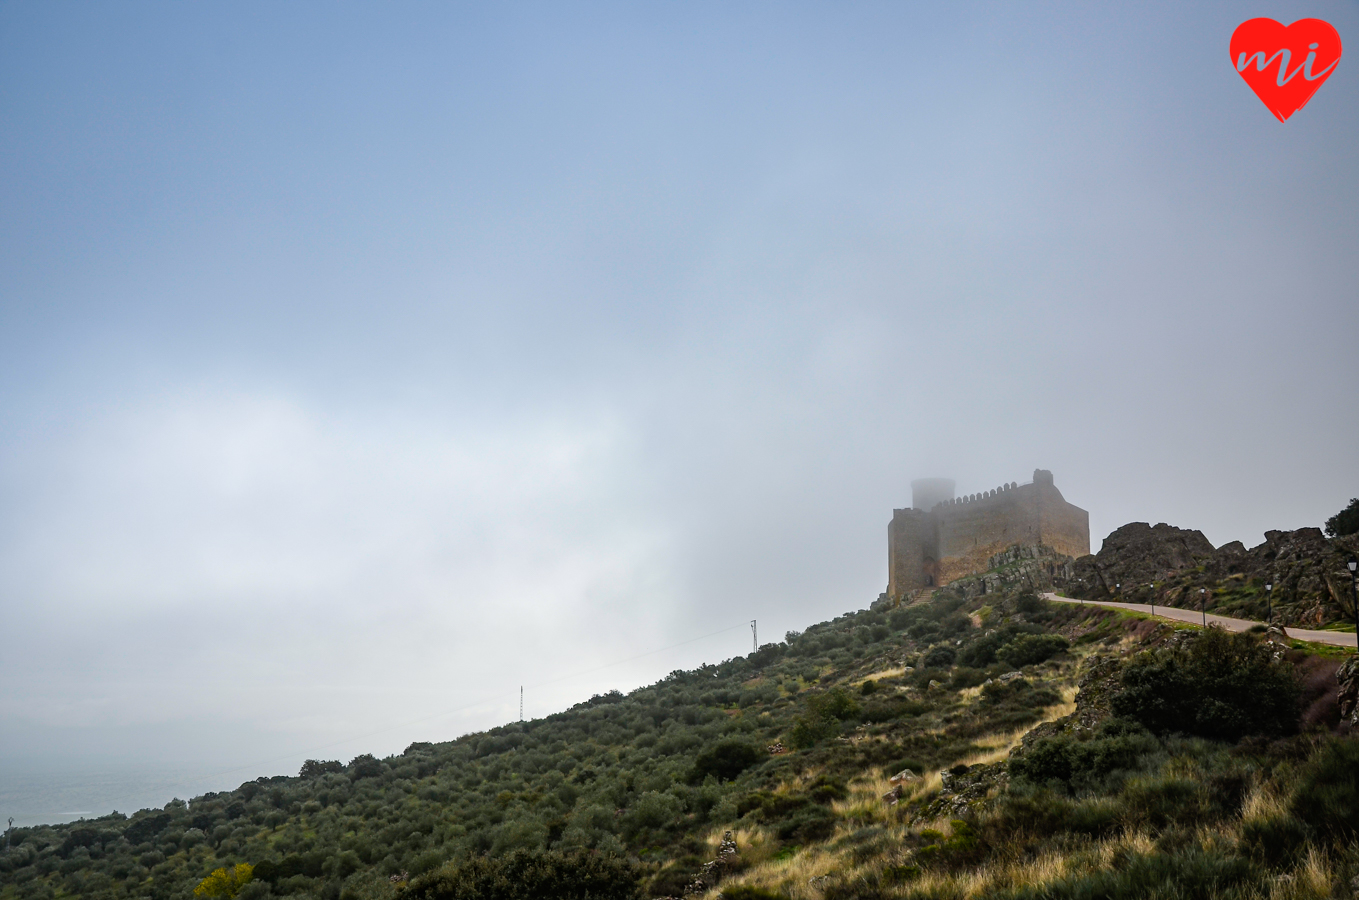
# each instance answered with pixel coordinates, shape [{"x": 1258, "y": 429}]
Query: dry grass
[
  {"x": 877, "y": 676},
  {"x": 1263, "y": 802},
  {"x": 796, "y": 874}
]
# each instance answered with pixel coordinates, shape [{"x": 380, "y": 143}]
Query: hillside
[
  {"x": 1169, "y": 566},
  {"x": 1142, "y": 757}
]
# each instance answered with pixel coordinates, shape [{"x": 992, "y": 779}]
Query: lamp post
[
  {"x": 1352, "y": 565},
  {"x": 1152, "y": 588},
  {"x": 1269, "y": 602},
  {"x": 1203, "y": 593}
]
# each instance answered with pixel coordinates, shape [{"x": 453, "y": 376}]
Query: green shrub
[
  {"x": 940, "y": 656},
  {"x": 1327, "y": 795},
  {"x": 868, "y": 687},
  {"x": 821, "y": 721},
  {"x": 1218, "y": 685},
  {"x": 1069, "y": 763},
  {"x": 750, "y": 892},
  {"x": 811, "y": 822},
  {"x": 1273, "y": 841},
  {"x": 825, "y": 789},
  {"x": 1195, "y": 875},
  {"x": 1161, "y": 802},
  {"x": 833, "y": 703},
  {"x": 809, "y": 730},
  {"x": 1030, "y": 649},
  {"x": 522, "y": 875},
  {"x": 961, "y": 848},
  {"x": 726, "y": 760}
]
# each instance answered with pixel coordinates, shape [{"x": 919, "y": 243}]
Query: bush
[
  {"x": 725, "y": 761},
  {"x": 1327, "y": 795},
  {"x": 1030, "y": 649},
  {"x": 1168, "y": 801},
  {"x": 522, "y": 875},
  {"x": 750, "y": 892},
  {"x": 1195, "y": 875},
  {"x": 1273, "y": 841},
  {"x": 961, "y": 848},
  {"x": 225, "y": 882},
  {"x": 940, "y": 656},
  {"x": 835, "y": 704},
  {"x": 1218, "y": 685},
  {"x": 812, "y": 822},
  {"x": 982, "y": 651},
  {"x": 1072, "y": 764},
  {"x": 810, "y": 730}
]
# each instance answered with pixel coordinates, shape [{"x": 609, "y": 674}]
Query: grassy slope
[{"x": 615, "y": 775}]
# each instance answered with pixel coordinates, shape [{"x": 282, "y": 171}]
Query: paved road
[{"x": 1338, "y": 638}]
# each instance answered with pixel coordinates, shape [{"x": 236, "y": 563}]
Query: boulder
[{"x": 1348, "y": 676}]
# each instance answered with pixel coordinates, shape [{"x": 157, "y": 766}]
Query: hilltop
[{"x": 966, "y": 746}]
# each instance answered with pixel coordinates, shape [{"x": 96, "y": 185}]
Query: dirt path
[{"x": 1337, "y": 638}]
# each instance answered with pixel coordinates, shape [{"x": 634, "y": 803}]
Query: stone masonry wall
[{"x": 958, "y": 537}]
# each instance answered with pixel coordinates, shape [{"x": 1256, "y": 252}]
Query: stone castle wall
[{"x": 958, "y": 536}]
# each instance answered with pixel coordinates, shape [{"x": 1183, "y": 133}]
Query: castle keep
[{"x": 942, "y": 538}]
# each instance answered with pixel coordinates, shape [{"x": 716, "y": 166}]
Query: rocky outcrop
[
  {"x": 1098, "y": 682},
  {"x": 715, "y": 869},
  {"x": 1311, "y": 584},
  {"x": 1140, "y": 554},
  {"x": 1030, "y": 567},
  {"x": 1348, "y": 676}
]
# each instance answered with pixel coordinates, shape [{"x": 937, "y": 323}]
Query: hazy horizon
[{"x": 361, "y": 364}]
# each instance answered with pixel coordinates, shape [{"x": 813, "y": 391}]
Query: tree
[
  {"x": 314, "y": 767},
  {"x": 1216, "y": 685},
  {"x": 523, "y": 875},
  {"x": 726, "y": 760},
  {"x": 1344, "y": 522},
  {"x": 225, "y": 882}
]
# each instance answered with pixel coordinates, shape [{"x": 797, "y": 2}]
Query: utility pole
[
  {"x": 521, "y": 703},
  {"x": 754, "y": 637}
]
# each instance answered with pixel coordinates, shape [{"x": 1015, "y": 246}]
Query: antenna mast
[{"x": 521, "y": 703}]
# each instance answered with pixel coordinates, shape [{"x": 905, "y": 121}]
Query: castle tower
[
  {"x": 943, "y": 537},
  {"x": 926, "y": 493}
]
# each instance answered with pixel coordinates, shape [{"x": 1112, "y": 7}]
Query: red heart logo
[{"x": 1285, "y": 66}]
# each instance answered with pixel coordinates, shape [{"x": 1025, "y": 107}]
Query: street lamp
[
  {"x": 1269, "y": 601},
  {"x": 1203, "y": 592},
  {"x": 1152, "y": 588},
  {"x": 1354, "y": 599}
]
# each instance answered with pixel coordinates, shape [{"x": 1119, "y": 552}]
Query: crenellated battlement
[
  {"x": 979, "y": 498},
  {"x": 943, "y": 537}
]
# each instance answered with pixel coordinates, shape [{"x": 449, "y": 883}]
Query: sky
[{"x": 361, "y": 363}]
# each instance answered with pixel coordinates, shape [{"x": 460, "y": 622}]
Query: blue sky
[{"x": 361, "y": 362}]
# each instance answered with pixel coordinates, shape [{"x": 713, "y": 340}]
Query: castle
[{"x": 942, "y": 538}]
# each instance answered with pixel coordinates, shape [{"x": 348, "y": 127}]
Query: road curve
[{"x": 1336, "y": 638}]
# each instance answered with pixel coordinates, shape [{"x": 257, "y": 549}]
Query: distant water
[{"x": 33, "y": 798}]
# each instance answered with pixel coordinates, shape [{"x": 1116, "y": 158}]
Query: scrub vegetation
[{"x": 1039, "y": 750}]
